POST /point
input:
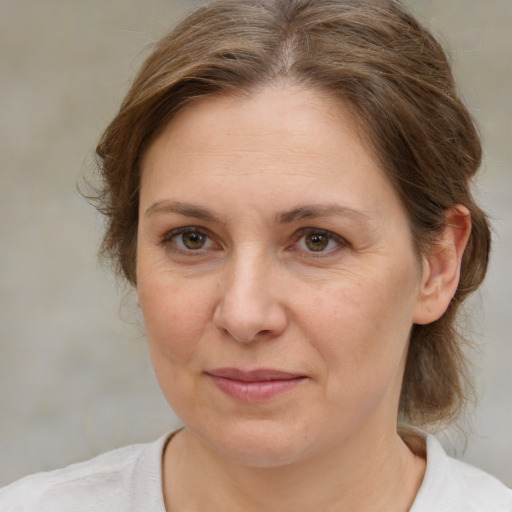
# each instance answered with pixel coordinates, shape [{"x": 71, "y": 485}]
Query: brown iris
[
  {"x": 193, "y": 240},
  {"x": 316, "y": 241}
]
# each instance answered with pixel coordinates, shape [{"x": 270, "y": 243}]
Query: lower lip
[{"x": 257, "y": 391}]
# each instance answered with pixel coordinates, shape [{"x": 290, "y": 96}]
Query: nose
[{"x": 249, "y": 308}]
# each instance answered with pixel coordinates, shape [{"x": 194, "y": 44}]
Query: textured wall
[{"x": 74, "y": 374}]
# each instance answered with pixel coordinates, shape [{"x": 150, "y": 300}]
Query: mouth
[{"x": 254, "y": 386}]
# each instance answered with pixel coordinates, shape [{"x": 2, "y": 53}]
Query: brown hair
[{"x": 389, "y": 69}]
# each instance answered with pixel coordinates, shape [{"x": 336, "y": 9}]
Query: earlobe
[{"x": 441, "y": 267}]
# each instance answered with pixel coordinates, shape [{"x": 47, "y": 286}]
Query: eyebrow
[
  {"x": 185, "y": 209},
  {"x": 285, "y": 217},
  {"x": 319, "y": 211}
]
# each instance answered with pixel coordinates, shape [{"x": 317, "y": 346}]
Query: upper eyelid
[
  {"x": 168, "y": 235},
  {"x": 342, "y": 243},
  {"x": 310, "y": 230},
  {"x": 298, "y": 234},
  {"x": 166, "y": 239}
]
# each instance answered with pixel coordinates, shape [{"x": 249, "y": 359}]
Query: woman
[{"x": 287, "y": 188}]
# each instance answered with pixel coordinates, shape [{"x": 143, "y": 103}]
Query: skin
[{"x": 246, "y": 179}]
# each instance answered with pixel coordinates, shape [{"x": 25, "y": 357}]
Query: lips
[{"x": 255, "y": 385}]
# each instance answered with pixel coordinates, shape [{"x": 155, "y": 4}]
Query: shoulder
[
  {"x": 451, "y": 485},
  {"x": 114, "y": 480}
]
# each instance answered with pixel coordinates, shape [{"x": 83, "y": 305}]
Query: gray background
[{"x": 75, "y": 379}]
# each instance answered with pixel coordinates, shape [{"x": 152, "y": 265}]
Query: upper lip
[{"x": 258, "y": 375}]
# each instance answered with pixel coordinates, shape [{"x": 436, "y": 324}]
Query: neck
[{"x": 365, "y": 474}]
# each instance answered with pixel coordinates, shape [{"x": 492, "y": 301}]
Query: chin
[{"x": 261, "y": 443}]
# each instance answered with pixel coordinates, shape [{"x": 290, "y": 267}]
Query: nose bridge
[{"x": 249, "y": 307}]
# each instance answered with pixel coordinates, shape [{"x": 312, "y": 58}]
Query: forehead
[
  {"x": 278, "y": 118},
  {"x": 277, "y": 141}
]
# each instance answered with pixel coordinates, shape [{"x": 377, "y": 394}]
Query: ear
[{"x": 441, "y": 267}]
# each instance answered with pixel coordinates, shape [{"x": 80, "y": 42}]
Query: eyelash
[
  {"x": 331, "y": 237},
  {"x": 167, "y": 241}
]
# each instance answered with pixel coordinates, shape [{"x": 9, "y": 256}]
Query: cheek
[
  {"x": 176, "y": 313},
  {"x": 361, "y": 326}
]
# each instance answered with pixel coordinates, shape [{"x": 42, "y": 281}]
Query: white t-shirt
[{"x": 130, "y": 480}]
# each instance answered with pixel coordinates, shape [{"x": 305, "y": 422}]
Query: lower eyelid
[
  {"x": 167, "y": 240},
  {"x": 169, "y": 243},
  {"x": 341, "y": 243}
]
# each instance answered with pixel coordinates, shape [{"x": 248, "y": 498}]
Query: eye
[
  {"x": 188, "y": 239},
  {"x": 319, "y": 241}
]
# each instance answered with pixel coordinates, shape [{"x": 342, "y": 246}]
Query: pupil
[
  {"x": 193, "y": 240},
  {"x": 317, "y": 242}
]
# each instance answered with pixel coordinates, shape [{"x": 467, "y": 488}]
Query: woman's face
[{"x": 276, "y": 275}]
